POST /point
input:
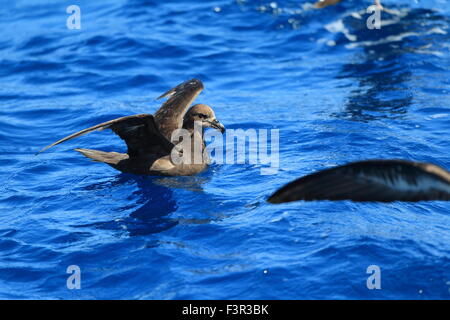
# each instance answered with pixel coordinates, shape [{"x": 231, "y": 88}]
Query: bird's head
[{"x": 203, "y": 114}]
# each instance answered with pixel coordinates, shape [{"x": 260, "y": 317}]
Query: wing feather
[
  {"x": 170, "y": 116},
  {"x": 372, "y": 180},
  {"x": 139, "y": 132}
]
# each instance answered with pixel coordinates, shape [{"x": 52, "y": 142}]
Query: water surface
[{"x": 337, "y": 92}]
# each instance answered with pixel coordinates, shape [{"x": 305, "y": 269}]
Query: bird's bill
[{"x": 217, "y": 125}]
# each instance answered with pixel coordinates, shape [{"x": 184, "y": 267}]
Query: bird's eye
[{"x": 202, "y": 116}]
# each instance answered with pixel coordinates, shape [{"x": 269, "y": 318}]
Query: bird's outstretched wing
[
  {"x": 170, "y": 116},
  {"x": 373, "y": 180},
  {"x": 139, "y": 132}
]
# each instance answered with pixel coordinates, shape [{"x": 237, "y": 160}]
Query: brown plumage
[
  {"x": 170, "y": 116},
  {"x": 325, "y": 3},
  {"x": 148, "y": 138},
  {"x": 372, "y": 180}
]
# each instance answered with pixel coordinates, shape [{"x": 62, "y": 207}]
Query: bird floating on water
[
  {"x": 148, "y": 137},
  {"x": 325, "y": 3},
  {"x": 371, "y": 180}
]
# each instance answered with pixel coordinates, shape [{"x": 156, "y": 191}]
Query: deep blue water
[{"x": 336, "y": 90}]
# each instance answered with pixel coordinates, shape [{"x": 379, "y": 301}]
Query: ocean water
[{"x": 335, "y": 90}]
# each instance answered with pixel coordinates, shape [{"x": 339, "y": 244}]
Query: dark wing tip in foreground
[
  {"x": 189, "y": 85},
  {"x": 372, "y": 180}
]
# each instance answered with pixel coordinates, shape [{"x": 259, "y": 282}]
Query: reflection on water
[
  {"x": 369, "y": 101},
  {"x": 182, "y": 238},
  {"x": 191, "y": 183},
  {"x": 151, "y": 211},
  {"x": 385, "y": 66}
]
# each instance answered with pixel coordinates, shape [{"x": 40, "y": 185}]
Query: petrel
[
  {"x": 325, "y": 3},
  {"x": 370, "y": 180},
  {"x": 151, "y": 150}
]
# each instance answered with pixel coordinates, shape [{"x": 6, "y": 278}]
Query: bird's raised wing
[
  {"x": 139, "y": 132},
  {"x": 170, "y": 116},
  {"x": 373, "y": 180}
]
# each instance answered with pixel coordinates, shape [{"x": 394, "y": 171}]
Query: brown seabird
[
  {"x": 325, "y": 3},
  {"x": 371, "y": 180},
  {"x": 148, "y": 137}
]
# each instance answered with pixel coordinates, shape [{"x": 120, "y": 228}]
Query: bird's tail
[{"x": 112, "y": 158}]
